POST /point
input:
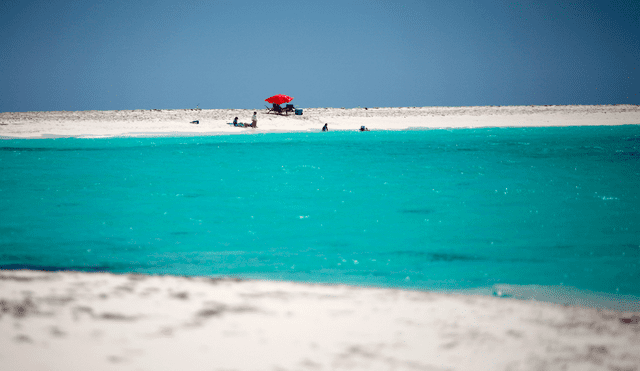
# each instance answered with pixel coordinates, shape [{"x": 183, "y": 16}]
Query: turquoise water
[{"x": 435, "y": 209}]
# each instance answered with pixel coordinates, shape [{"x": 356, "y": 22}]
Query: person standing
[
  {"x": 325, "y": 127},
  {"x": 254, "y": 120}
]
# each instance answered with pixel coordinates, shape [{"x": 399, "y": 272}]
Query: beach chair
[
  {"x": 288, "y": 108},
  {"x": 276, "y": 109}
]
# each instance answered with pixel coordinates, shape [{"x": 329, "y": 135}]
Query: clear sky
[{"x": 112, "y": 54}]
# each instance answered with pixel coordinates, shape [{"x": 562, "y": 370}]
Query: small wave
[
  {"x": 565, "y": 295},
  {"x": 48, "y": 268},
  {"x": 608, "y": 198}
]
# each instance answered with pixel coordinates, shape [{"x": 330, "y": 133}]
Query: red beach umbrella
[{"x": 279, "y": 99}]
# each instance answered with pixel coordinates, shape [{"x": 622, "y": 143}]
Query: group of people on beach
[
  {"x": 326, "y": 128},
  {"x": 254, "y": 121}
]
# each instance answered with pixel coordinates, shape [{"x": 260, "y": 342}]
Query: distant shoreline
[
  {"x": 338, "y": 108},
  {"x": 177, "y": 122}
]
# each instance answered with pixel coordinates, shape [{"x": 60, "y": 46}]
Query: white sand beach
[
  {"x": 100, "y": 321},
  {"x": 215, "y": 122}
]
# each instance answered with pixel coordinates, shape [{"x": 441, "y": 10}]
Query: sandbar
[{"x": 178, "y": 122}]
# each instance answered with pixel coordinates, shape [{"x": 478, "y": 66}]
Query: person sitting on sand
[
  {"x": 235, "y": 121},
  {"x": 254, "y": 120},
  {"x": 325, "y": 128},
  {"x": 362, "y": 128}
]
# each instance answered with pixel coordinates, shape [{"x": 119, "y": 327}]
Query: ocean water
[{"x": 463, "y": 209}]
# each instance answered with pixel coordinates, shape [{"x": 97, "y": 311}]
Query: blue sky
[{"x": 106, "y": 55}]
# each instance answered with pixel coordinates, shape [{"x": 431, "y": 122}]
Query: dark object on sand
[
  {"x": 277, "y": 109},
  {"x": 631, "y": 320},
  {"x": 288, "y": 108},
  {"x": 195, "y": 122},
  {"x": 241, "y": 125}
]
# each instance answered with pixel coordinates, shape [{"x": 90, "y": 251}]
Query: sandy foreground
[
  {"x": 215, "y": 122},
  {"x": 102, "y": 321}
]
